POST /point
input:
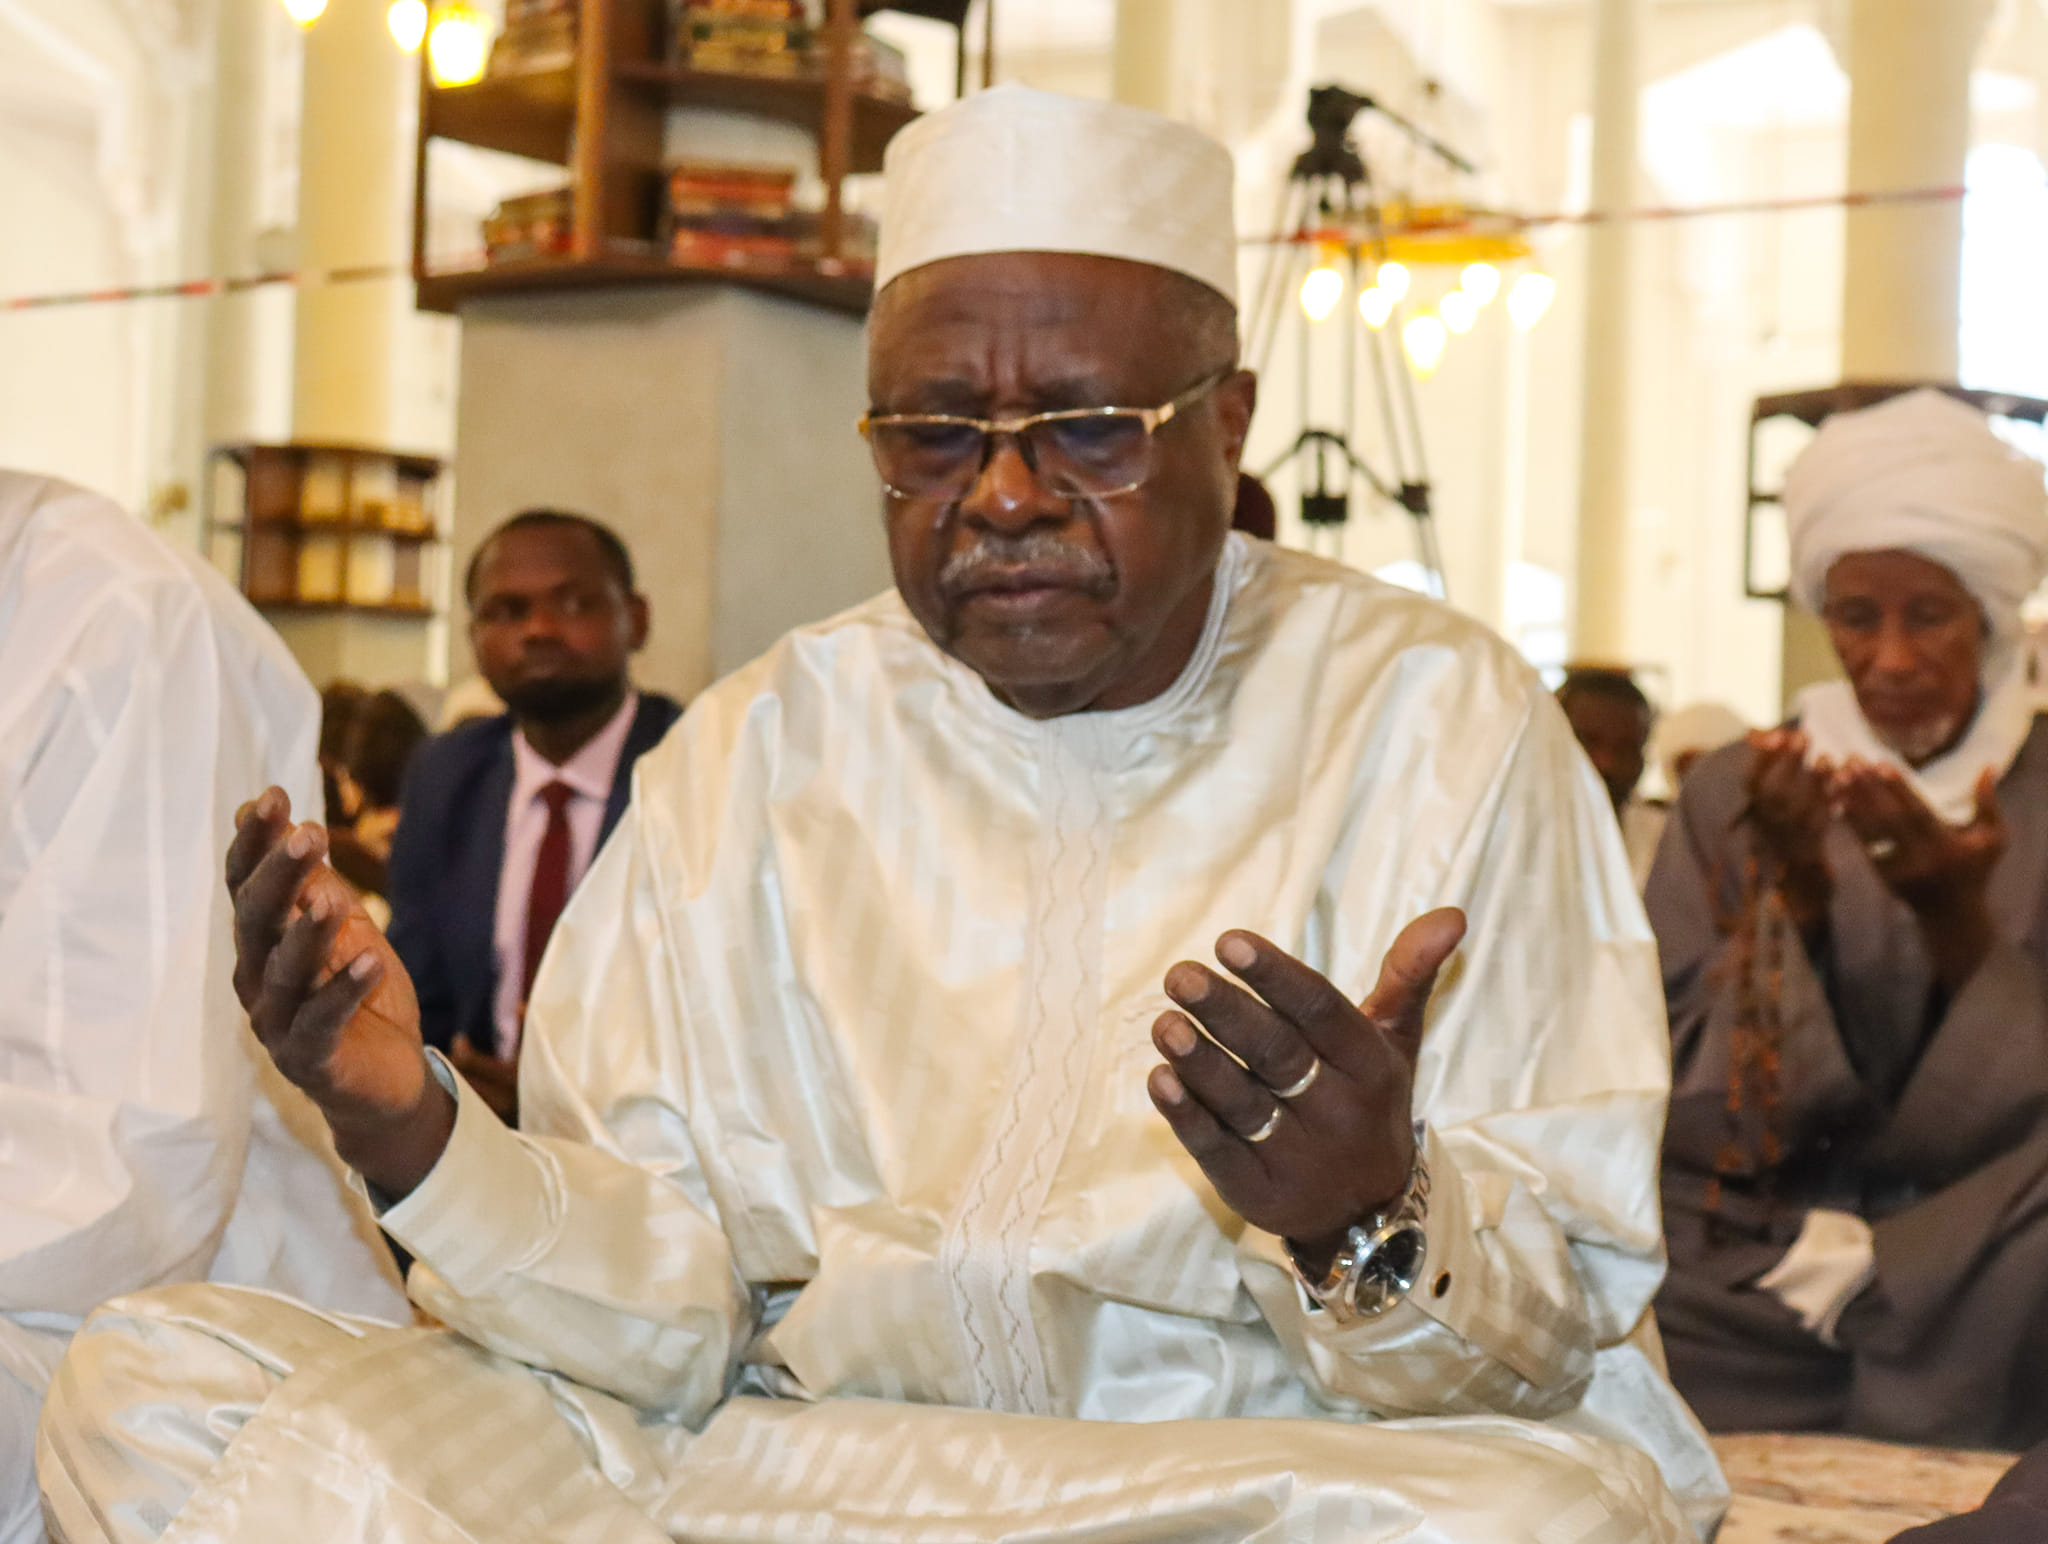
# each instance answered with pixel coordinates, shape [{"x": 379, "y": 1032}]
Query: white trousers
[{"x": 214, "y": 1413}]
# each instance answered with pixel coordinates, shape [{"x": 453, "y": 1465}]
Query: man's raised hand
[
  {"x": 330, "y": 1001},
  {"x": 1311, "y": 1166}
]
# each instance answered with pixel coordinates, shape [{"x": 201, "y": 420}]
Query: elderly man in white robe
[
  {"x": 1853, "y": 912},
  {"x": 887, "y": 1170},
  {"x": 144, "y": 1136}
]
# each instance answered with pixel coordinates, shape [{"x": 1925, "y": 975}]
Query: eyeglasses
[{"x": 1075, "y": 453}]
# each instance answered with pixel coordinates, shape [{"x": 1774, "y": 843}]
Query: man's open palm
[
  {"x": 1305, "y": 1165},
  {"x": 327, "y": 996}
]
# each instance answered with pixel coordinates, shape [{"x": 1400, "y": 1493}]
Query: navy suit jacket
[{"x": 447, "y": 856}]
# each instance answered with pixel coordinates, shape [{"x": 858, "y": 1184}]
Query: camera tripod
[{"x": 1330, "y": 187}]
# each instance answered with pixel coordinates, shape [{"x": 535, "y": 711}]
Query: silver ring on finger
[
  {"x": 1272, "y": 1125},
  {"x": 1302, "y": 1084},
  {"x": 1881, "y": 849}
]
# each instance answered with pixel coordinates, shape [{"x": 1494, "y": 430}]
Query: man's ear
[
  {"x": 1236, "y": 398},
  {"x": 643, "y": 620}
]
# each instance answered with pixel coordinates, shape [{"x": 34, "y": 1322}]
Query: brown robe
[{"x": 1872, "y": 1092}]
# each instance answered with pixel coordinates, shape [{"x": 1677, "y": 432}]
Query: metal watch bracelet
[{"x": 1382, "y": 1258}]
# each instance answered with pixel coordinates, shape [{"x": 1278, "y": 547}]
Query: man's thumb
[{"x": 1408, "y": 975}]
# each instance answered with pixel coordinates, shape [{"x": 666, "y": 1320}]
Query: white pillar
[
  {"x": 1909, "y": 67},
  {"x": 1909, "y": 127},
  {"x": 1600, "y": 598},
  {"x": 354, "y": 201},
  {"x": 1141, "y": 64},
  {"x": 234, "y": 409}
]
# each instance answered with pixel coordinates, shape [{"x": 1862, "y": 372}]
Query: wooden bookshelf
[
  {"x": 327, "y": 528},
  {"x": 603, "y": 119}
]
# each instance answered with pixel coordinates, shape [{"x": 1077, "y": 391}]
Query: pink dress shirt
[{"x": 590, "y": 773}]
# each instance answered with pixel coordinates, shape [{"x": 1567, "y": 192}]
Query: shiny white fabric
[
  {"x": 837, "y": 1140},
  {"x": 1921, "y": 473},
  {"x": 144, "y": 1138},
  {"x": 1017, "y": 170}
]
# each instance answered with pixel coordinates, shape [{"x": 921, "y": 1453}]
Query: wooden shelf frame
[
  {"x": 415, "y": 549},
  {"x": 604, "y": 118}
]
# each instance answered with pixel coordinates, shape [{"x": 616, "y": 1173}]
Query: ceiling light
[
  {"x": 458, "y": 46},
  {"x": 1481, "y": 281},
  {"x": 1424, "y": 339},
  {"x": 1320, "y": 292},
  {"x": 1530, "y": 298},
  {"x": 1459, "y": 311},
  {"x": 407, "y": 20}
]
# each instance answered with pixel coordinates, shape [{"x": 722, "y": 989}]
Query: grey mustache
[{"x": 1044, "y": 555}]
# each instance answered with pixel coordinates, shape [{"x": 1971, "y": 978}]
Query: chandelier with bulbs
[
  {"x": 1392, "y": 254},
  {"x": 1422, "y": 273},
  {"x": 455, "y": 34}
]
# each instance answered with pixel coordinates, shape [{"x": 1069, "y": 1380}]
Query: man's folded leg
[
  {"x": 209, "y": 1413},
  {"x": 921, "y": 1474},
  {"x": 204, "y": 1412}
]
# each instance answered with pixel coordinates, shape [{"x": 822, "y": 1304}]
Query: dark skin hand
[
  {"x": 1942, "y": 872},
  {"x": 329, "y": 1000},
  {"x": 332, "y": 1005},
  {"x": 1345, "y": 1149},
  {"x": 1790, "y": 807}
]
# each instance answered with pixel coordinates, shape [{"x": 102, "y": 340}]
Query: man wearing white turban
[
  {"x": 1853, "y": 916},
  {"x": 887, "y": 1170}
]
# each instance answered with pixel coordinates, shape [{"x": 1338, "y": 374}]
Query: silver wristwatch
[{"x": 1382, "y": 1258}]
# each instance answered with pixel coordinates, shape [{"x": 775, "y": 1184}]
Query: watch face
[
  {"x": 1398, "y": 1261},
  {"x": 1393, "y": 1266}
]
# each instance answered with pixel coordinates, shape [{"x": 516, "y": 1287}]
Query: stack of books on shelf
[
  {"x": 741, "y": 37},
  {"x": 535, "y": 225},
  {"x": 539, "y": 35},
  {"x": 723, "y": 215}
]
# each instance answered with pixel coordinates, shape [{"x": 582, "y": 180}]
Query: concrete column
[
  {"x": 1909, "y": 67},
  {"x": 1909, "y": 127},
  {"x": 233, "y": 407},
  {"x": 354, "y": 201},
  {"x": 1600, "y": 596},
  {"x": 1142, "y": 62}
]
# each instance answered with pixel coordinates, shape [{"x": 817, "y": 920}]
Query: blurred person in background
[
  {"x": 1612, "y": 719},
  {"x": 145, "y": 1138},
  {"x": 503, "y": 815},
  {"x": 384, "y": 734},
  {"x": 339, "y": 704},
  {"x": 1852, "y": 912}
]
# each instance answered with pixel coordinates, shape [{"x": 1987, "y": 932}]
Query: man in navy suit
[{"x": 503, "y": 816}]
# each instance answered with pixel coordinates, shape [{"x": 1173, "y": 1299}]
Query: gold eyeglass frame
[{"x": 1153, "y": 419}]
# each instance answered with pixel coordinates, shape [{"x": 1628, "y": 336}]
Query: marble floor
[{"x": 1839, "y": 1490}]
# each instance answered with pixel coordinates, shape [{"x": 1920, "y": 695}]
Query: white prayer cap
[
  {"x": 1922, "y": 473},
  {"x": 1016, "y": 170}
]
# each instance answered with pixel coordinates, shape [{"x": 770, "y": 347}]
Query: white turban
[
  {"x": 1016, "y": 170},
  {"x": 1923, "y": 473}
]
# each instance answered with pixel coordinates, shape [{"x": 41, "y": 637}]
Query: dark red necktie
[{"x": 550, "y": 889}]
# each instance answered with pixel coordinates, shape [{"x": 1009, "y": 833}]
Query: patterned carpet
[{"x": 1838, "y": 1490}]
